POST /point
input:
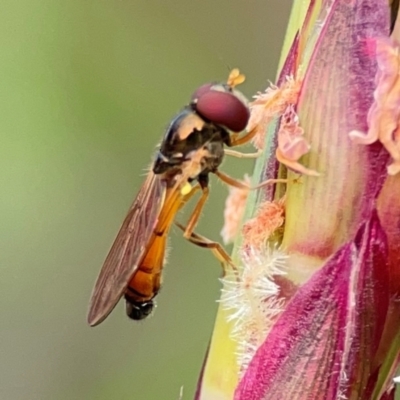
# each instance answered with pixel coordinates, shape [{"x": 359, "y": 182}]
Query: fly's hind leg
[{"x": 216, "y": 248}]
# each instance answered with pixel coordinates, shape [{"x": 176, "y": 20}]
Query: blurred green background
[{"x": 87, "y": 89}]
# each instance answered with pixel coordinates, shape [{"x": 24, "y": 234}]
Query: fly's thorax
[
  {"x": 191, "y": 146},
  {"x": 198, "y": 163},
  {"x": 204, "y": 160}
]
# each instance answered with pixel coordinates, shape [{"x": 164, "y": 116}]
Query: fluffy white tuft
[{"x": 252, "y": 299}]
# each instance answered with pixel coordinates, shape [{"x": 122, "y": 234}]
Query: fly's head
[
  {"x": 203, "y": 128},
  {"x": 222, "y": 104}
]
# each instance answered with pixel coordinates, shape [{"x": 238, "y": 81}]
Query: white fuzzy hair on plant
[{"x": 251, "y": 299}]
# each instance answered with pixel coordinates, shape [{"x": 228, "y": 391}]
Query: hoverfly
[{"x": 193, "y": 146}]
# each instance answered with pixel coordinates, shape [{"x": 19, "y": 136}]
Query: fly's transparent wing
[{"x": 127, "y": 250}]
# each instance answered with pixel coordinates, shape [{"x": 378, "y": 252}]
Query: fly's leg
[
  {"x": 241, "y": 185},
  {"x": 194, "y": 218},
  {"x": 239, "y": 154},
  {"x": 216, "y": 248},
  {"x": 237, "y": 139}
]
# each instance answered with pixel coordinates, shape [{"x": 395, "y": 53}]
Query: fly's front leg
[
  {"x": 216, "y": 248},
  {"x": 237, "y": 139}
]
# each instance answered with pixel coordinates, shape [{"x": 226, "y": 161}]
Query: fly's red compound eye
[
  {"x": 201, "y": 90},
  {"x": 223, "y": 108}
]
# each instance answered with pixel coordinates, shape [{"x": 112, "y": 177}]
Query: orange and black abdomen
[{"x": 145, "y": 283}]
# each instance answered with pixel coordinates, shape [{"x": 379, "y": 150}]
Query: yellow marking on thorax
[{"x": 189, "y": 124}]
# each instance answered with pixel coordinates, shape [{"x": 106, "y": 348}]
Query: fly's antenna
[{"x": 235, "y": 78}]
